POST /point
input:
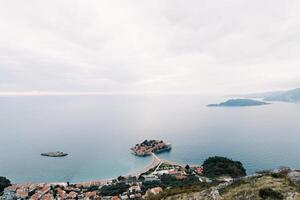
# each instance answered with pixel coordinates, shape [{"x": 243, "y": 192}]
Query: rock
[
  {"x": 8, "y": 194},
  {"x": 294, "y": 177}
]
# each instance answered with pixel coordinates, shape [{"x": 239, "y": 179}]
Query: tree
[
  {"x": 54, "y": 193},
  {"x": 121, "y": 178},
  {"x": 4, "y": 182},
  {"x": 114, "y": 189},
  {"x": 188, "y": 169},
  {"x": 269, "y": 193}
]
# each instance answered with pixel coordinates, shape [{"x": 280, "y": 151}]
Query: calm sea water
[{"x": 97, "y": 132}]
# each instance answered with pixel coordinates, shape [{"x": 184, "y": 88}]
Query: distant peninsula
[
  {"x": 292, "y": 96},
  {"x": 287, "y": 96},
  {"x": 239, "y": 103}
]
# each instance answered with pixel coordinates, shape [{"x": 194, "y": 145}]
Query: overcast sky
[{"x": 163, "y": 46}]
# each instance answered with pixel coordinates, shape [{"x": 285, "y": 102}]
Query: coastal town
[
  {"x": 152, "y": 180},
  {"x": 140, "y": 186},
  {"x": 167, "y": 180},
  {"x": 160, "y": 179}
]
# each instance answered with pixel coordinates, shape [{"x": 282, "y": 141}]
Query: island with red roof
[{"x": 148, "y": 147}]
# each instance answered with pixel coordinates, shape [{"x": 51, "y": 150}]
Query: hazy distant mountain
[
  {"x": 260, "y": 95},
  {"x": 287, "y": 96},
  {"x": 239, "y": 103}
]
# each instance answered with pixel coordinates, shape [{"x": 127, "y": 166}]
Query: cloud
[{"x": 143, "y": 46}]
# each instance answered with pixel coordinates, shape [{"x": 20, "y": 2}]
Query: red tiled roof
[
  {"x": 47, "y": 196},
  {"x": 180, "y": 177},
  {"x": 115, "y": 198}
]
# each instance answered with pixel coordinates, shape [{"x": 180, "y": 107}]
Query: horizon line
[
  {"x": 57, "y": 93},
  {"x": 74, "y": 93}
]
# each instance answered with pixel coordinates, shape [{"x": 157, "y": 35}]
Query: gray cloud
[{"x": 196, "y": 46}]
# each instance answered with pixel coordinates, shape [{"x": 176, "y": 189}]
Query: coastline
[
  {"x": 133, "y": 183},
  {"x": 155, "y": 161}
]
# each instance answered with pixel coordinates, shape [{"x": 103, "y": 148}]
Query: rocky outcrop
[{"x": 294, "y": 177}]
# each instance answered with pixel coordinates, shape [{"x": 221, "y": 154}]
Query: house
[
  {"x": 151, "y": 178},
  {"x": 124, "y": 196},
  {"x": 36, "y": 196},
  {"x": 115, "y": 198},
  {"x": 156, "y": 190},
  {"x": 47, "y": 196},
  {"x": 153, "y": 191},
  {"x": 61, "y": 194},
  {"x": 72, "y": 195},
  {"x": 198, "y": 170},
  {"x": 22, "y": 193},
  {"x": 180, "y": 177},
  {"x": 135, "y": 196},
  {"x": 134, "y": 189},
  {"x": 106, "y": 197},
  {"x": 173, "y": 172},
  {"x": 161, "y": 172},
  {"x": 90, "y": 195}
]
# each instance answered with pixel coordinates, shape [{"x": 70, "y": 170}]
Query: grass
[
  {"x": 251, "y": 189},
  {"x": 269, "y": 187},
  {"x": 178, "y": 190}
]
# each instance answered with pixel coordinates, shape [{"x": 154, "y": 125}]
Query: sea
[{"x": 97, "y": 132}]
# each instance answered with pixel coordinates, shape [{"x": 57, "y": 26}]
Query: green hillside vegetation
[
  {"x": 221, "y": 166},
  {"x": 4, "y": 182},
  {"x": 267, "y": 186}
]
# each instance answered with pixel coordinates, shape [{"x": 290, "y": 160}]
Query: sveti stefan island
[
  {"x": 149, "y": 100},
  {"x": 147, "y": 148}
]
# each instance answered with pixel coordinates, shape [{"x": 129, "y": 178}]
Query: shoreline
[
  {"x": 154, "y": 170},
  {"x": 155, "y": 161}
]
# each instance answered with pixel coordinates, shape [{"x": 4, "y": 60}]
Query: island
[
  {"x": 238, "y": 103},
  {"x": 54, "y": 154},
  {"x": 148, "y": 147}
]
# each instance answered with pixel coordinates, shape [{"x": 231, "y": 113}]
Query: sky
[{"x": 157, "y": 46}]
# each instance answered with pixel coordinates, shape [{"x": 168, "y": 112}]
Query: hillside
[
  {"x": 288, "y": 96},
  {"x": 265, "y": 185}
]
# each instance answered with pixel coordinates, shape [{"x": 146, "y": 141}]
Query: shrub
[
  {"x": 268, "y": 193},
  {"x": 115, "y": 189},
  {"x": 171, "y": 181},
  {"x": 150, "y": 184},
  {"x": 278, "y": 175}
]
